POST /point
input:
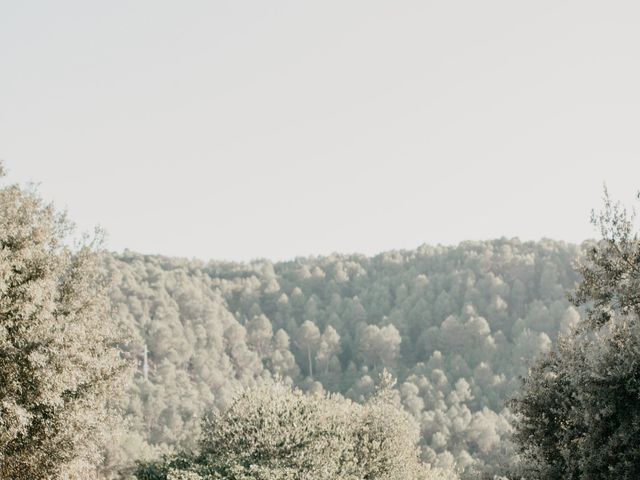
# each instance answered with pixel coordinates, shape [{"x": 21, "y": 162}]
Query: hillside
[{"x": 457, "y": 325}]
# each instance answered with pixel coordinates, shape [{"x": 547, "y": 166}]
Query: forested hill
[{"x": 456, "y": 325}]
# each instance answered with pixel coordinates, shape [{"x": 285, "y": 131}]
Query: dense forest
[{"x": 458, "y": 326}]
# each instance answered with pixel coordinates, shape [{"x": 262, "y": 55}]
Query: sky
[{"x": 235, "y": 130}]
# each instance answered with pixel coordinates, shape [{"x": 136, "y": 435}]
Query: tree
[
  {"x": 328, "y": 348},
  {"x": 380, "y": 345},
  {"x": 611, "y": 274},
  {"x": 274, "y": 432},
  {"x": 59, "y": 365},
  {"x": 283, "y": 362},
  {"x": 579, "y": 416},
  {"x": 308, "y": 339},
  {"x": 259, "y": 333}
]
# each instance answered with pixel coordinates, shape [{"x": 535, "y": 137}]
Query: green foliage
[
  {"x": 456, "y": 325},
  {"x": 59, "y": 365},
  {"x": 273, "y": 432},
  {"x": 611, "y": 273},
  {"x": 578, "y": 413}
]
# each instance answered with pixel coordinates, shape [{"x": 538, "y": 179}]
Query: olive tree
[
  {"x": 274, "y": 432},
  {"x": 579, "y": 415},
  {"x": 59, "y": 365}
]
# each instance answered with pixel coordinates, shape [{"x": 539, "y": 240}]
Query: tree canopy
[
  {"x": 457, "y": 326},
  {"x": 60, "y": 368},
  {"x": 274, "y": 432},
  {"x": 578, "y": 412}
]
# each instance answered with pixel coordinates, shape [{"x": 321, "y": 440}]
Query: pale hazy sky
[{"x": 234, "y": 130}]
